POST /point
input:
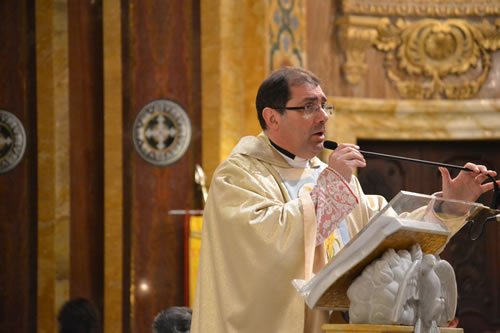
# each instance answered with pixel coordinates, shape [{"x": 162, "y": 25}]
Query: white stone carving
[{"x": 405, "y": 288}]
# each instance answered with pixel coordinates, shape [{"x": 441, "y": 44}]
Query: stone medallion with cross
[
  {"x": 12, "y": 141},
  {"x": 162, "y": 132}
]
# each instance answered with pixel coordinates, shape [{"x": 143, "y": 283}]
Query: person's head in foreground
[
  {"x": 176, "y": 319},
  {"x": 79, "y": 315}
]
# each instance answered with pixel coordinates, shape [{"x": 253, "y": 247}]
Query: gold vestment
[{"x": 255, "y": 241}]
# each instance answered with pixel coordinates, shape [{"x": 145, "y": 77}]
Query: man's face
[{"x": 302, "y": 134}]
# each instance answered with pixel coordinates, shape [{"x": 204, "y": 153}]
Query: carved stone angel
[
  {"x": 405, "y": 288},
  {"x": 437, "y": 293}
]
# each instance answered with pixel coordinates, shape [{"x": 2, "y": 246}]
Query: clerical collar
[
  {"x": 283, "y": 151},
  {"x": 295, "y": 161}
]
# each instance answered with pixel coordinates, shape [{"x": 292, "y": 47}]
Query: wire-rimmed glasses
[{"x": 310, "y": 109}]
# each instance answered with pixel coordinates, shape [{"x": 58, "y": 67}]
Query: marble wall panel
[
  {"x": 53, "y": 162},
  {"x": 241, "y": 44},
  {"x": 232, "y": 48},
  {"x": 413, "y": 120},
  {"x": 113, "y": 170}
]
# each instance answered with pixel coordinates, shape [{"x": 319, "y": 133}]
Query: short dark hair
[
  {"x": 79, "y": 315},
  {"x": 274, "y": 92},
  {"x": 176, "y": 319}
]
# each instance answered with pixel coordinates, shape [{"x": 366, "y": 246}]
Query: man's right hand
[{"x": 345, "y": 159}]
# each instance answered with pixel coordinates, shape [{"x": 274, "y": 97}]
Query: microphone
[
  {"x": 495, "y": 203},
  {"x": 333, "y": 145}
]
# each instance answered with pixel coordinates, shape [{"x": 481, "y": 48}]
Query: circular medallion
[
  {"x": 12, "y": 141},
  {"x": 162, "y": 132}
]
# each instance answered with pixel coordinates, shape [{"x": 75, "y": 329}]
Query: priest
[{"x": 275, "y": 212}]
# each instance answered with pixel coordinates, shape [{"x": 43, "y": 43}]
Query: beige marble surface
[
  {"x": 113, "y": 169},
  {"x": 413, "y": 120},
  {"x": 233, "y": 53},
  {"x": 236, "y": 56},
  {"x": 53, "y": 161}
]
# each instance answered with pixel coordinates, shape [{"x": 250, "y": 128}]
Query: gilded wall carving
[
  {"x": 424, "y": 58},
  {"x": 356, "y": 34},
  {"x": 422, "y": 8},
  {"x": 442, "y": 55}
]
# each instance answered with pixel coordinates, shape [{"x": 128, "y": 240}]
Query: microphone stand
[
  {"x": 407, "y": 159},
  {"x": 495, "y": 204},
  {"x": 333, "y": 145},
  {"x": 496, "y": 189}
]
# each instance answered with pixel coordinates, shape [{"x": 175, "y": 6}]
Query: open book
[{"x": 408, "y": 219}]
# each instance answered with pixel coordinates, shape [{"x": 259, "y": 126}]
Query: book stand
[{"x": 410, "y": 218}]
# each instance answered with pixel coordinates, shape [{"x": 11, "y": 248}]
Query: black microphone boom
[
  {"x": 333, "y": 145},
  {"x": 495, "y": 204}
]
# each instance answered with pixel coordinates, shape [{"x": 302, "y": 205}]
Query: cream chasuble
[{"x": 256, "y": 239}]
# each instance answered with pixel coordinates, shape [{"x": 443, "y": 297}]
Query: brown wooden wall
[
  {"x": 86, "y": 150},
  {"x": 161, "y": 59},
  {"x": 18, "y": 204}
]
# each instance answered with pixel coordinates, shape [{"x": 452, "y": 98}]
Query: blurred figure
[
  {"x": 79, "y": 315},
  {"x": 176, "y": 319}
]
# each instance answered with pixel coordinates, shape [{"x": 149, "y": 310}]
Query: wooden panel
[
  {"x": 476, "y": 263},
  {"x": 18, "y": 218},
  {"x": 86, "y": 154},
  {"x": 161, "y": 55}
]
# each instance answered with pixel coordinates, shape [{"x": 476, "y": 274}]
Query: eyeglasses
[{"x": 310, "y": 109}]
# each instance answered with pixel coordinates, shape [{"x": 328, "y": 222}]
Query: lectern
[{"x": 396, "y": 294}]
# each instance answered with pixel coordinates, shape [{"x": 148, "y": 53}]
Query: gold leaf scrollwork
[
  {"x": 427, "y": 58},
  {"x": 449, "y": 59},
  {"x": 356, "y": 35},
  {"x": 422, "y": 8}
]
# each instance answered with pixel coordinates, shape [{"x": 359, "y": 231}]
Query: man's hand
[
  {"x": 468, "y": 185},
  {"x": 345, "y": 158}
]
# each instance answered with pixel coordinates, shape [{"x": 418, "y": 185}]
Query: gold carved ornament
[
  {"x": 438, "y": 58},
  {"x": 422, "y": 8},
  {"x": 449, "y": 59},
  {"x": 356, "y": 34}
]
